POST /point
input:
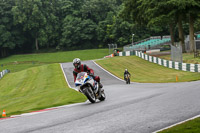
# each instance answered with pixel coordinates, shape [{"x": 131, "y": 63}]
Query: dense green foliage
[
  {"x": 170, "y": 13},
  {"x": 31, "y": 25}
]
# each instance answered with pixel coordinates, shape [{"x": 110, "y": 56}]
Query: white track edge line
[
  {"x": 176, "y": 124},
  {"x": 33, "y": 113},
  {"x": 107, "y": 71},
  {"x": 65, "y": 75}
]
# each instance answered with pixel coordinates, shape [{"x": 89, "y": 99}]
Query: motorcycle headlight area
[
  {"x": 81, "y": 80},
  {"x": 77, "y": 84}
]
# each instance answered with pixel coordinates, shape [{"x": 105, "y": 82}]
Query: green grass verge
[
  {"x": 17, "y": 63},
  {"x": 187, "y": 58},
  {"x": 40, "y": 84},
  {"x": 37, "y": 82},
  {"x": 192, "y": 126},
  {"x": 36, "y": 88},
  {"x": 144, "y": 71}
]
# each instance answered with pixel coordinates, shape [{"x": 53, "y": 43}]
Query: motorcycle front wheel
[
  {"x": 89, "y": 93},
  {"x": 128, "y": 80}
]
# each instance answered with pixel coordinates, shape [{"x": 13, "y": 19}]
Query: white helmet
[
  {"x": 126, "y": 70},
  {"x": 77, "y": 63}
]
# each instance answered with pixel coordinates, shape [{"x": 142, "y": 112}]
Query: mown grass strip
[
  {"x": 36, "y": 88},
  {"x": 57, "y": 57},
  {"x": 192, "y": 126},
  {"x": 144, "y": 71},
  {"x": 36, "y": 83},
  {"x": 17, "y": 63},
  {"x": 187, "y": 58}
]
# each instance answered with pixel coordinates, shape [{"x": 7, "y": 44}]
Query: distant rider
[
  {"x": 126, "y": 72},
  {"x": 84, "y": 68}
]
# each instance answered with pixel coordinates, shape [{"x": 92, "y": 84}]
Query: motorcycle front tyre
[
  {"x": 128, "y": 80},
  {"x": 90, "y": 94}
]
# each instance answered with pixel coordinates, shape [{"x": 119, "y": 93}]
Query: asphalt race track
[{"x": 134, "y": 108}]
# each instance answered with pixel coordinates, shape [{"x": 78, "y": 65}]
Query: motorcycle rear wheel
[{"x": 103, "y": 96}]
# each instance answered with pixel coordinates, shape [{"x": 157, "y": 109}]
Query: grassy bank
[
  {"x": 17, "y": 63},
  {"x": 192, "y": 126},
  {"x": 144, "y": 71},
  {"x": 36, "y": 81},
  {"x": 187, "y": 58},
  {"x": 36, "y": 88}
]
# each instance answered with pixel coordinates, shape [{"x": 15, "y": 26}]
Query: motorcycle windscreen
[
  {"x": 80, "y": 75},
  {"x": 81, "y": 78}
]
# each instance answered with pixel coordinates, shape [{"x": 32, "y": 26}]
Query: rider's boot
[
  {"x": 100, "y": 85},
  {"x": 100, "y": 88}
]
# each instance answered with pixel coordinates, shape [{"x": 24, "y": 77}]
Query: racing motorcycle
[
  {"x": 89, "y": 87},
  {"x": 127, "y": 78}
]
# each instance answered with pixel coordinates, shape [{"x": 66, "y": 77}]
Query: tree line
[
  {"x": 31, "y": 25},
  {"x": 171, "y": 13}
]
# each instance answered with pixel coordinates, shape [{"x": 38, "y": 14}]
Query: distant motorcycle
[
  {"x": 89, "y": 87},
  {"x": 127, "y": 78}
]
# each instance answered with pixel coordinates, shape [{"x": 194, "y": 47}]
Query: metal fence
[
  {"x": 176, "y": 52},
  {"x": 197, "y": 45},
  {"x": 112, "y": 47}
]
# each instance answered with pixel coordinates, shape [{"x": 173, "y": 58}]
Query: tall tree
[
  {"x": 193, "y": 9},
  {"x": 7, "y": 38},
  {"x": 77, "y": 33},
  {"x": 50, "y": 35},
  {"x": 163, "y": 12},
  {"x": 29, "y": 13}
]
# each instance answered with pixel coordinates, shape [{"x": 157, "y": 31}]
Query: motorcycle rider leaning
[{"x": 84, "y": 68}]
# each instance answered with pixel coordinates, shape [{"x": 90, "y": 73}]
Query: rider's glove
[{"x": 90, "y": 74}]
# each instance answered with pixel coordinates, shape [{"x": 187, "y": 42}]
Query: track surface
[{"x": 134, "y": 108}]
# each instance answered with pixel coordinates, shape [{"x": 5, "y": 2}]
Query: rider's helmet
[
  {"x": 77, "y": 63},
  {"x": 126, "y": 70}
]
